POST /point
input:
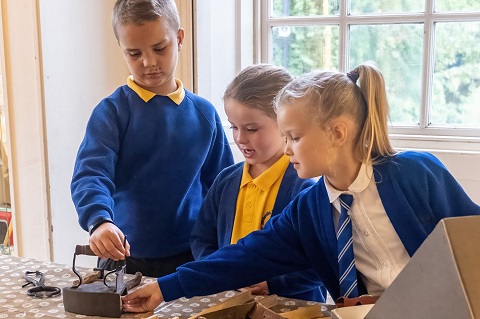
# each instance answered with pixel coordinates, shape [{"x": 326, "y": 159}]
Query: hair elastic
[{"x": 353, "y": 76}]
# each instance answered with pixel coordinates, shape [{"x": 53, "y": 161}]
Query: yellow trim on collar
[
  {"x": 147, "y": 95},
  {"x": 246, "y": 177},
  {"x": 267, "y": 178},
  {"x": 179, "y": 94}
]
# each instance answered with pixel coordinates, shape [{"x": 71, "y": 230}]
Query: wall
[
  {"x": 82, "y": 64},
  {"x": 25, "y": 128},
  {"x": 224, "y": 46}
]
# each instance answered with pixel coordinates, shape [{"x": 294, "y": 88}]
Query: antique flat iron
[{"x": 97, "y": 294}]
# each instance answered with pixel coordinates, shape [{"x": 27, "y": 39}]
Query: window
[{"x": 428, "y": 51}]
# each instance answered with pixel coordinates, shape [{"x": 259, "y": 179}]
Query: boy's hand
[
  {"x": 107, "y": 242},
  {"x": 144, "y": 299}
]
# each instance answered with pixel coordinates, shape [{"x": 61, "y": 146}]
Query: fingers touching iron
[{"x": 108, "y": 242}]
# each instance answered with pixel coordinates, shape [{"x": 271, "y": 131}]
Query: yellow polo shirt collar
[
  {"x": 267, "y": 178},
  {"x": 147, "y": 95}
]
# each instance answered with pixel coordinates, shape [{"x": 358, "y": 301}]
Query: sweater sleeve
[
  {"x": 431, "y": 189},
  {"x": 92, "y": 183},
  {"x": 446, "y": 195},
  {"x": 302, "y": 284},
  {"x": 417, "y": 192},
  {"x": 219, "y": 157},
  {"x": 204, "y": 237},
  {"x": 259, "y": 256}
]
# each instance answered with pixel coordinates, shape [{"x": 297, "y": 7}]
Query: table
[
  {"x": 183, "y": 308},
  {"x": 14, "y": 302}
]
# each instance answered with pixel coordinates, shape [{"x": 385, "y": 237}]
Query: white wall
[
  {"x": 225, "y": 45},
  {"x": 81, "y": 65},
  {"x": 215, "y": 49},
  {"x": 25, "y": 128}
]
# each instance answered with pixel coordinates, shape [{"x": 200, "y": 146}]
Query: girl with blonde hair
[{"x": 358, "y": 226}]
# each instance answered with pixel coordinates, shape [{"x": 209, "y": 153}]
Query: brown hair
[
  {"x": 328, "y": 95},
  {"x": 141, "y": 11},
  {"x": 257, "y": 85}
]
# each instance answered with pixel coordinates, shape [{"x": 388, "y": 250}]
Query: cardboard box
[
  {"x": 243, "y": 306},
  {"x": 442, "y": 279},
  {"x": 355, "y": 312}
]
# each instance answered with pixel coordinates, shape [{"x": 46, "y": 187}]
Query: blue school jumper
[
  {"x": 416, "y": 191},
  {"x": 147, "y": 166},
  {"x": 213, "y": 228}
]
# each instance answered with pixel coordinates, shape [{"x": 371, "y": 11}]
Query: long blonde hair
[{"x": 328, "y": 95}]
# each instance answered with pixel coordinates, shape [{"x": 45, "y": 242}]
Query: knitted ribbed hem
[{"x": 171, "y": 287}]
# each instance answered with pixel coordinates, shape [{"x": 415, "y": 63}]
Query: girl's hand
[
  {"x": 144, "y": 299},
  {"x": 260, "y": 289}
]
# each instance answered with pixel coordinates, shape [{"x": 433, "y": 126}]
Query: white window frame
[{"x": 424, "y": 136}]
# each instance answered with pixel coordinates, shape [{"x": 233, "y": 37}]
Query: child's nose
[
  {"x": 241, "y": 137},
  {"x": 149, "y": 61},
  {"x": 287, "y": 150}
]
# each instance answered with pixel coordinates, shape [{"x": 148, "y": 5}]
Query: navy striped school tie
[{"x": 346, "y": 261}]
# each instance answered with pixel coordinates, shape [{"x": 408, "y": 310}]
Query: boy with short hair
[{"x": 151, "y": 149}]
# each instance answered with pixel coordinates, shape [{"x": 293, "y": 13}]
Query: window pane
[
  {"x": 304, "y": 48},
  {"x": 457, "y": 5},
  {"x": 397, "y": 51},
  {"x": 292, "y": 8},
  {"x": 456, "y": 78},
  {"x": 386, "y": 6}
]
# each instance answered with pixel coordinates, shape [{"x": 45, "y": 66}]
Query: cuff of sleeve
[
  {"x": 97, "y": 224},
  {"x": 171, "y": 287},
  {"x": 276, "y": 285}
]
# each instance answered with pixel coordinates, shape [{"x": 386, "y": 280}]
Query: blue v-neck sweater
[
  {"x": 416, "y": 191},
  {"x": 147, "y": 166}
]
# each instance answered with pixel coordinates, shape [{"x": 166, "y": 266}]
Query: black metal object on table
[
  {"x": 98, "y": 298},
  {"x": 39, "y": 290}
]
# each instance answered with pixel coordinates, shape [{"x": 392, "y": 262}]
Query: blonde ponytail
[
  {"x": 373, "y": 142},
  {"x": 328, "y": 95}
]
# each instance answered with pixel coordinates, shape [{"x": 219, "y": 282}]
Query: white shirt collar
[{"x": 365, "y": 174}]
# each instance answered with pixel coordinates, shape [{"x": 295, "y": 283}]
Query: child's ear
[
  {"x": 180, "y": 37},
  {"x": 339, "y": 130}
]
